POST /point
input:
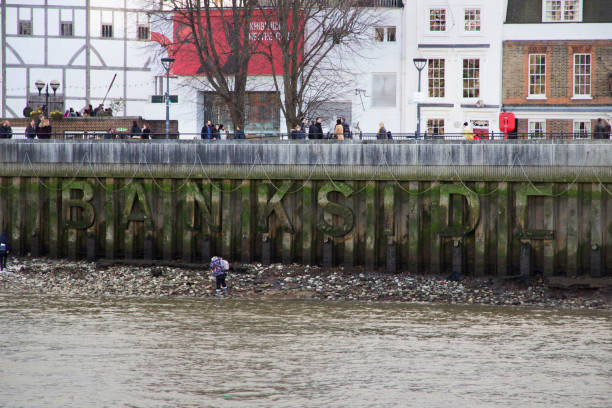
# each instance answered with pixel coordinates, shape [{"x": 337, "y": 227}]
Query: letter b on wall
[{"x": 87, "y": 215}]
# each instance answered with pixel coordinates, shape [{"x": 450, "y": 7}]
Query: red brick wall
[{"x": 559, "y": 71}]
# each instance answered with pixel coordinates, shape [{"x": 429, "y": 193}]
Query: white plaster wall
[
  {"x": 453, "y": 46},
  {"x": 559, "y": 31}
]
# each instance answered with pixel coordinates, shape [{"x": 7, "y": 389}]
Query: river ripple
[{"x": 128, "y": 352}]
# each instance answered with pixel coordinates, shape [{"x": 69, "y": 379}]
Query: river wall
[{"x": 483, "y": 209}]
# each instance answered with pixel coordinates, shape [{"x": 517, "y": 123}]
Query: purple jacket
[{"x": 217, "y": 266}]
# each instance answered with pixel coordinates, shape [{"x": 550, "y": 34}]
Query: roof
[{"x": 530, "y": 11}]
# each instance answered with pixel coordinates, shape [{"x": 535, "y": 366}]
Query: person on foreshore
[
  {"x": 6, "y": 132},
  {"x": 30, "y": 132},
  {"x": 219, "y": 268},
  {"x": 5, "y": 250}
]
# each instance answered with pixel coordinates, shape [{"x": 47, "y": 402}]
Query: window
[
  {"x": 437, "y": 20},
  {"x": 537, "y": 74},
  {"x": 435, "y": 126},
  {"x": 25, "y": 27},
  {"x": 582, "y": 74},
  {"x": 562, "y": 10},
  {"x": 435, "y": 78},
  {"x": 471, "y": 78},
  {"x": 382, "y": 34},
  {"x": 537, "y": 128},
  {"x": 582, "y": 129},
  {"x": 66, "y": 29},
  {"x": 143, "y": 32},
  {"x": 107, "y": 30},
  {"x": 383, "y": 90},
  {"x": 472, "y": 20}
]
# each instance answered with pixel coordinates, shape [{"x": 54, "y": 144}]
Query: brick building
[{"x": 557, "y": 65}]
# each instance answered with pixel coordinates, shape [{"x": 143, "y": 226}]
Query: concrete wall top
[{"x": 525, "y": 153}]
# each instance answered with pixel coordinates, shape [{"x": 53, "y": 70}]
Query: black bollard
[
  {"x": 328, "y": 252},
  {"x": 525, "y": 259},
  {"x": 595, "y": 261},
  {"x": 266, "y": 250}
]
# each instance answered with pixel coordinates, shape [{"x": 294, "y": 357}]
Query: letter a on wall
[{"x": 136, "y": 191}]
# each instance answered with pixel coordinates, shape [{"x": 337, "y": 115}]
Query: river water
[{"x": 132, "y": 352}]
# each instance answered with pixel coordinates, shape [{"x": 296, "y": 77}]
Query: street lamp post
[
  {"x": 167, "y": 64},
  {"x": 40, "y": 84},
  {"x": 419, "y": 64}
]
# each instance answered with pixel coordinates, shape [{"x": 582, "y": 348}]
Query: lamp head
[
  {"x": 54, "y": 85},
  {"x": 167, "y": 63},
  {"x": 419, "y": 63},
  {"x": 40, "y": 84}
]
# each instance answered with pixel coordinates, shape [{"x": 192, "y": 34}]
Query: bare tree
[
  {"x": 217, "y": 33},
  {"x": 308, "y": 34}
]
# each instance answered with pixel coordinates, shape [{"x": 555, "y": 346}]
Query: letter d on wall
[
  {"x": 473, "y": 205},
  {"x": 87, "y": 211}
]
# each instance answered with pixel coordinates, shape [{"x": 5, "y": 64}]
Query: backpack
[
  {"x": 389, "y": 136},
  {"x": 2, "y": 248}
]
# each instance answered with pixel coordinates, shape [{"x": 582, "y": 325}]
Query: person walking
[
  {"x": 5, "y": 250},
  {"x": 30, "y": 132},
  {"x": 146, "y": 132},
  {"x": 339, "y": 130},
  {"x": 347, "y": 129},
  {"x": 135, "y": 131},
  {"x": 599, "y": 132},
  {"x": 219, "y": 268},
  {"x": 382, "y": 132},
  {"x": 44, "y": 128},
  {"x": 319, "y": 133},
  {"x": 312, "y": 130},
  {"x": 6, "y": 131},
  {"x": 216, "y": 132},
  {"x": 239, "y": 133},
  {"x": 468, "y": 133},
  {"x": 206, "y": 133}
]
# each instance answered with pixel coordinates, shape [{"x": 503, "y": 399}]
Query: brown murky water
[{"x": 128, "y": 352}]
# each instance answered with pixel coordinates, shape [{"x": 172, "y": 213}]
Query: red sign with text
[{"x": 263, "y": 29}]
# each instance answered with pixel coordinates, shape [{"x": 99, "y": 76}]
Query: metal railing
[{"x": 356, "y": 136}]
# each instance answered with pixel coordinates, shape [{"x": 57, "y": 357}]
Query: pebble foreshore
[{"x": 78, "y": 278}]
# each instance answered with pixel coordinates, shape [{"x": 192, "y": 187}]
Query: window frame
[
  {"x": 542, "y": 75},
  {"x": 431, "y": 22},
  {"x": 439, "y": 91},
  {"x": 581, "y": 134},
  {"x": 19, "y": 26},
  {"x": 65, "y": 23},
  {"x": 475, "y": 79},
  {"x": 138, "y": 31},
  {"x": 383, "y": 33},
  {"x": 102, "y": 30},
  {"x": 376, "y": 102},
  {"x": 465, "y": 21},
  {"x": 428, "y": 125},
  {"x": 536, "y": 134},
  {"x": 588, "y": 85},
  {"x": 547, "y": 17}
]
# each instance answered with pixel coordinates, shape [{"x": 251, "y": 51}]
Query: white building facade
[
  {"x": 82, "y": 44},
  {"x": 461, "y": 81}
]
